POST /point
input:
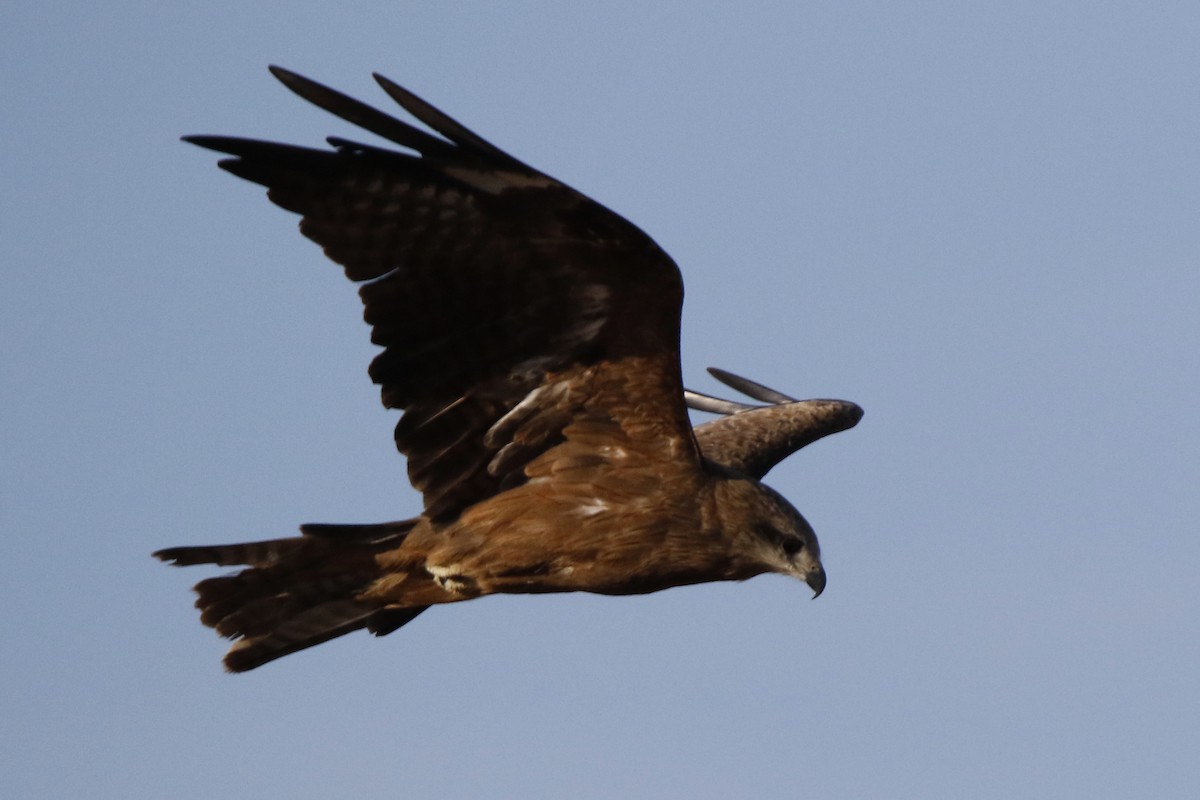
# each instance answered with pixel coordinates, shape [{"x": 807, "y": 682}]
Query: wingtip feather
[{"x": 750, "y": 388}]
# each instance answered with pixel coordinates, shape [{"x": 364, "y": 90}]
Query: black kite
[{"x": 531, "y": 338}]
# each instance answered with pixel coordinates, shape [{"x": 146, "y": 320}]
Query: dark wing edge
[{"x": 753, "y": 438}]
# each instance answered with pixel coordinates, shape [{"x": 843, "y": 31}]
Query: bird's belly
[{"x": 612, "y": 570}]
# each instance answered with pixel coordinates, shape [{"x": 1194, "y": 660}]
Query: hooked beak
[{"x": 816, "y": 581}]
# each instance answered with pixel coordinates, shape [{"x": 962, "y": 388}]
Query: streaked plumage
[{"x": 531, "y": 338}]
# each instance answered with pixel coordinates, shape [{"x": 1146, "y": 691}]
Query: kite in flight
[{"x": 531, "y": 338}]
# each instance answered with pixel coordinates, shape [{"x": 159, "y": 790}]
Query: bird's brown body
[{"x": 531, "y": 339}]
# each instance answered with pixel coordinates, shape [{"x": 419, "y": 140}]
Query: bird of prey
[{"x": 531, "y": 338}]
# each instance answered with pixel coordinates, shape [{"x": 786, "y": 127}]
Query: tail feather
[
  {"x": 392, "y": 619},
  {"x": 296, "y": 592},
  {"x": 310, "y": 628},
  {"x": 245, "y": 614},
  {"x": 255, "y": 554},
  {"x": 389, "y": 532},
  {"x": 264, "y": 553}
]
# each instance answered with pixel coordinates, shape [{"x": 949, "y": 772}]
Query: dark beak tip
[{"x": 816, "y": 582}]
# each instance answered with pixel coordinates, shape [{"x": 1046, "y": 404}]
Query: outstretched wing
[
  {"x": 754, "y": 438},
  {"x": 510, "y": 307}
]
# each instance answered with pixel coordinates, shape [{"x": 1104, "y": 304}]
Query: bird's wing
[
  {"x": 515, "y": 313},
  {"x": 753, "y": 438}
]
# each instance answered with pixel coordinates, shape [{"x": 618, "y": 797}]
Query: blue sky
[{"x": 979, "y": 221}]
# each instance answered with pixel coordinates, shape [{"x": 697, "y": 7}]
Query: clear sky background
[{"x": 980, "y": 221}]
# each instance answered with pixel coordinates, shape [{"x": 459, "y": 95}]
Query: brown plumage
[
  {"x": 752, "y": 439},
  {"x": 531, "y": 338}
]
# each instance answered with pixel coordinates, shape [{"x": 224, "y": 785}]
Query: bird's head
[{"x": 775, "y": 533}]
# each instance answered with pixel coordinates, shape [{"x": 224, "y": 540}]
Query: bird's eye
[{"x": 793, "y": 546}]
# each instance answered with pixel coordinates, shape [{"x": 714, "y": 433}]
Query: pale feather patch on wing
[
  {"x": 592, "y": 507},
  {"x": 547, "y": 394}
]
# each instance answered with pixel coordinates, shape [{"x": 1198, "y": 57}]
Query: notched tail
[{"x": 296, "y": 592}]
